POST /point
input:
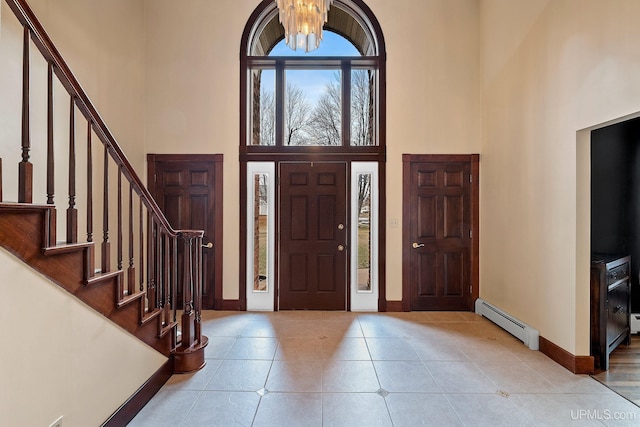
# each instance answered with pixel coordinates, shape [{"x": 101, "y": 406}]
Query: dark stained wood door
[
  {"x": 439, "y": 239},
  {"x": 313, "y": 236},
  {"x": 188, "y": 190}
]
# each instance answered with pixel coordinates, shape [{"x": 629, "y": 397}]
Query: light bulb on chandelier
[{"x": 303, "y": 21}]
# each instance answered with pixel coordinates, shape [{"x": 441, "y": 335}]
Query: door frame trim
[
  {"x": 474, "y": 161},
  {"x": 217, "y": 159}
]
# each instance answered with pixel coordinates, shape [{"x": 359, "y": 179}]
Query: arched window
[
  {"x": 346, "y": 82},
  {"x": 326, "y": 108}
]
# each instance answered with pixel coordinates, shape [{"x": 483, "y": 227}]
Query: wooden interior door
[
  {"x": 439, "y": 237},
  {"x": 313, "y": 236},
  {"x": 188, "y": 190}
]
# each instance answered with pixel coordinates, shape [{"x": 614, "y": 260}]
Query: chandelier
[{"x": 303, "y": 21}]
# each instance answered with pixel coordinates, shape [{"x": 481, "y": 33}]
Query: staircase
[
  {"x": 25, "y": 231},
  {"x": 132, "y": 273}
]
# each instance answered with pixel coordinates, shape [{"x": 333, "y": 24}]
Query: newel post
[{"x": 189, "y": 355}]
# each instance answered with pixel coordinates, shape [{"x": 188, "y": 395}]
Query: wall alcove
[{"x": 615, "y": 195}]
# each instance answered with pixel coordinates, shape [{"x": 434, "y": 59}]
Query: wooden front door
[
  {"x": 441, "y": 217},
  {"x": 188, "y": 190},
  {"x": 313, "y": 236}
]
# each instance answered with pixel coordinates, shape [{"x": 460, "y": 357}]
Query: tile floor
[{"x": 378, "y": 369}]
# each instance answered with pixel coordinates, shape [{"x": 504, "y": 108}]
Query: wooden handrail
[{"x": 158, "y": 259}]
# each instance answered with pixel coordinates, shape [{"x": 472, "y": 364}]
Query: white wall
[
  {"x": 193, "y": 91},
  {"x": 60, "y": 357},
  {"x": 550, "y": 69}
]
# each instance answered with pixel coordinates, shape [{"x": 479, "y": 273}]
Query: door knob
[
  {"x": 208, "y": 245},
  {"x": 417, "y": 245},
  {"x": 340, "y": 226},
  {"x": 340, "y": 248}
]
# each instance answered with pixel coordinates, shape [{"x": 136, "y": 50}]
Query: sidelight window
[
  {"x": 364, "y": 235},
  {"x": 260, "y": 236}
]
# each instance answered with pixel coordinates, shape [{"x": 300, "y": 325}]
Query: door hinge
[
  {"x": 470, "y": 289},
  {"x": 470, "y": 178},
  {"x": 471, "y": 234}
]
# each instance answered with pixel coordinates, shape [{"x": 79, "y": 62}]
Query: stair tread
[
  {"x": 61, "y": 248},
  {"x": 98, "y": 277},
  {"x": 198, "y": 345},
  {"x": 150, "y": 315},
  {"x": 25, "y": 206},
  {"x": 167, "y": 328},
  {"x": 129, "y": 298}
]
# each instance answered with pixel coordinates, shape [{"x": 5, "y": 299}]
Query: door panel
[
  {"x": 313, "y": 269},
  {"x": 427, "y": 267},
  {"x": 427, "y": 216},
  {"x": 439, "y": 206},
  {"x": 453, "y": 217},
  {"x": 188, "y": 189},
  {"x": 454, "y": 274}
]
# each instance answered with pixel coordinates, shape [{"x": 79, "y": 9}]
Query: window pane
[
  {"x": 260, "y": 233},
  {"x": 263, "y": 114},
  {"x": 364, "y": 232},
  {"x": 362, "y": 107},
  {"x": 332, "y": 44},
  {"x": 313, "y": 107}
]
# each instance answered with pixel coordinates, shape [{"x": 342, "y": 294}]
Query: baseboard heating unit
[{"x": 515, "y": 327}]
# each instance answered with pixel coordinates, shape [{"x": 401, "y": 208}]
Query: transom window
[{"x": 325, "y": 98}]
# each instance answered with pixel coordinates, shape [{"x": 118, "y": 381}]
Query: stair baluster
[
  {"x": 91, "y": 267},
  {"x": 72, "y": 212},
  {"x": 141, "y": 255},
  {"x": 151, "y": 263},
  {"x": 119, "y": 216},
  {"x": 174, "y": 280},
  {"x": 106, "y": 246},
  {"x": 25, "y": 168},
  {"x": 89, "y": 185},
  {"x": 131, "y": 271},
  {"x": 50, "y": 148}
]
